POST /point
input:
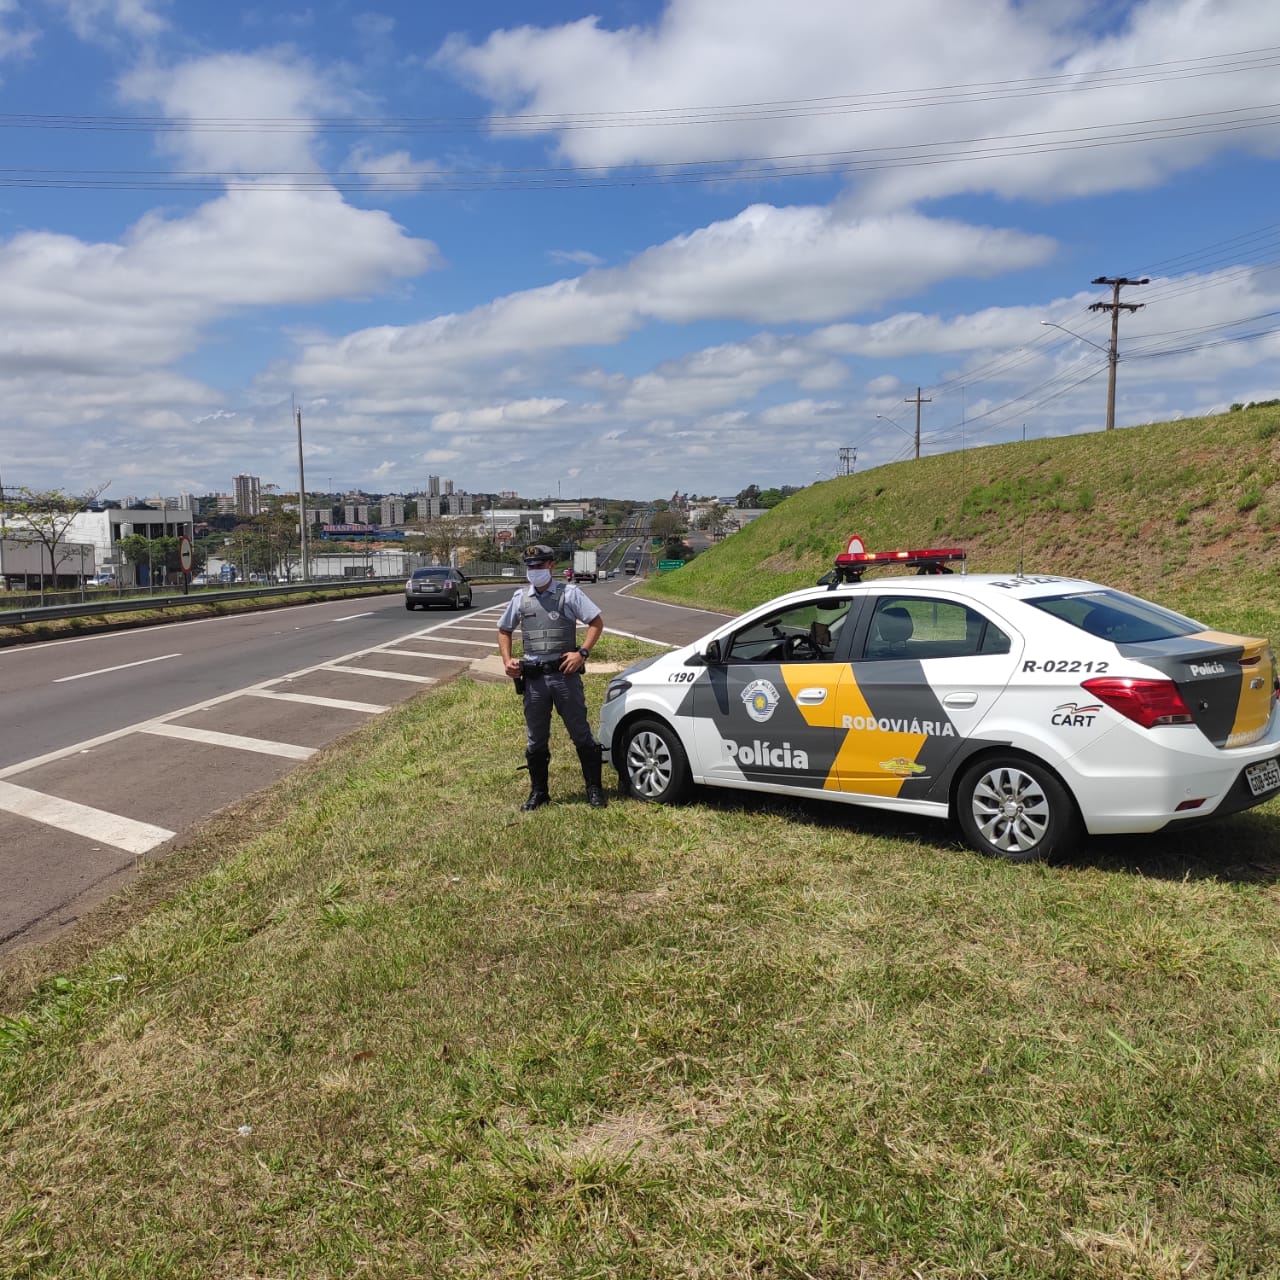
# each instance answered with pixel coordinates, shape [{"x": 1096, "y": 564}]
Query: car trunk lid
[{"x": 1228, "y": 682}]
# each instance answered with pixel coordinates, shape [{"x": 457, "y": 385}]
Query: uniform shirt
[{"x": 574, "y": 604}]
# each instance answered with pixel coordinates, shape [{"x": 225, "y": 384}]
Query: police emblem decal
[
  {"x": 554, "y": 616},
  {"x": 760, "y": 698}
]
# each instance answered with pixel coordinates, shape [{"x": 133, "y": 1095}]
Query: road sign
[
  {"x": 185, "y": 557},
  {"x": 665, "y": 566}
]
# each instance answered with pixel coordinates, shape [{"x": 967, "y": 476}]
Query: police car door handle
[
  {"x": 960, "y": 700},
  {"x": 811, "y": 697}
]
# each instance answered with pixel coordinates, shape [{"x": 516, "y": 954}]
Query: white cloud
[
  {"x": 765, "y": 265},
  {"x": 93, "y": 19},
  {"x": 861, "y": 79},
  {"x": 253, "y": 87},
  {"x": 17, "y": 35},
  {"x": 578, "y": 257}
]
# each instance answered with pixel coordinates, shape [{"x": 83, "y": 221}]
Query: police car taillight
[{"x": 1145, "y": 702}]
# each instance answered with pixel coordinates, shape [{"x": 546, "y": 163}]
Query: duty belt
[{"x": 540, "y": 666}]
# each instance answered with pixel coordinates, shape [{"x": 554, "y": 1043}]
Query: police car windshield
[{"x": 1114, "y": 616}]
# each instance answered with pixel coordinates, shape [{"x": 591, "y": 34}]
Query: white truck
[{"x": 584, "y": 566}]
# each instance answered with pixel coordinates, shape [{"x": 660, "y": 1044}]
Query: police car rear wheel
[
  {"x": 654, "y": 763},
  {"x": 1013, "y": 808}
]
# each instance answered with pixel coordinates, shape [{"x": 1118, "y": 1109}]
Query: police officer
[{"x": 548, "y": 614}]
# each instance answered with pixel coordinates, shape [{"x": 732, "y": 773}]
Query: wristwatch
[{"x": 586, "y": 653}]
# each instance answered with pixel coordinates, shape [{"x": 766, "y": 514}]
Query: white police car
[{"x": 1028, "y": 708}]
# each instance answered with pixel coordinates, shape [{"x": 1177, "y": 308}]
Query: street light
[
  {"x": 1050, "y": 324},
  {"x": 1112, "y": 358},
  {"x": 884, "y": 417}
]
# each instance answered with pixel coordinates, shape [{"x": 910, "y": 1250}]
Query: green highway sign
[{"x": 664, "y": 566}]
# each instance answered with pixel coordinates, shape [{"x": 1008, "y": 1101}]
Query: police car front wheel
[
  {"x": 654, "y": 765},
  {"x": 1011, "y": 807}
]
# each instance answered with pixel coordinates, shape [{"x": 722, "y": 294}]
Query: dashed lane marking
[
  {"x": 102, "y": 671},
  {"x": 351, "y": 617},
  {"x": 81, "y": 820},
  {"x": 211, "y": 737}
]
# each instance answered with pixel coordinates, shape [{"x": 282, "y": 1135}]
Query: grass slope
[
  {"x": 407, "y": 1031},
  {"x": 1187, "y": 513}
]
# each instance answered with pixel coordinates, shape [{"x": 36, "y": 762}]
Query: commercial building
[{"x": 248, "y": 494}]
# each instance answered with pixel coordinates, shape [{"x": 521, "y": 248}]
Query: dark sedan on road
[{"x": 437, "y": 585}]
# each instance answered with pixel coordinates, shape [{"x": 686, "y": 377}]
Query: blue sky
[{"x": 620, "y": 250}]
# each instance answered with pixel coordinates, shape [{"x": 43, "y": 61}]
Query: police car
[{"x": 1028, "y": 708}]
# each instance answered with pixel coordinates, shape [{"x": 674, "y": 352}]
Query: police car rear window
[
  {"x": 1117, "y": 617},
  {"x": 431, "y": 573}
]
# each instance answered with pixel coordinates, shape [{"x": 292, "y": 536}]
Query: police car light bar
[{"x": 855, "y": 560}]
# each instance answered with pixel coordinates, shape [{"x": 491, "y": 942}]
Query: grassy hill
[{"x": 1187, "y": 513}]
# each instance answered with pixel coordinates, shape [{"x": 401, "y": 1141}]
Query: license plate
[{"x": 1263, "y": 776}]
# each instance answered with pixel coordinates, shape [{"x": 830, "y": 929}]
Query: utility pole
[
  {"x": 1115, "y": 306},
  {"x": 848, "y": 460},
  {"x": 302, "y": 500},
  {"x": 918, "y": 402}
]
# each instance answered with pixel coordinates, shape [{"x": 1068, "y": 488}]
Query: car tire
[
  {"x": 1013, "y": 807},
  {"x": 654, "y": 765},
  {"x": 408, "y": 604}
]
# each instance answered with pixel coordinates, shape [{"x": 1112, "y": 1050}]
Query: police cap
[{"x": 538, "y": 553}]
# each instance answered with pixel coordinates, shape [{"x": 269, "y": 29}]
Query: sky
[{"x": 626, "y": 249}]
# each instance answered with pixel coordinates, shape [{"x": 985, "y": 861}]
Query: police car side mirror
[{"x": 712, "y": 655}]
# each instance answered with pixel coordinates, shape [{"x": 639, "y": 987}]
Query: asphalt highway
[{"x": 112, "y": 746}]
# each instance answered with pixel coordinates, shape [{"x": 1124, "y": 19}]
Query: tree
[
  {"x": 666, "y": 524},
  {"x": 749, "y": 497},
  {"x": 715, "y": 519},
  {"x": 45, "y": 516}
]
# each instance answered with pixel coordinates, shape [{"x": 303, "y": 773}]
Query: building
[
  {"x": 248, "y": 491},
  {"x": 433, "y": 486},
  {"x": 392, "y": 511},
  {"x": 355, "y": 513},
  {"x": 92, "y": 540}
]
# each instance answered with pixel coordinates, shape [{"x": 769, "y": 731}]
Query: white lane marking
[
  {"x": 423, "y": 653},
  {"x": 488, "y": 629},
  {"x": 81, "y": 820},
  {"x": 351, "y": 617},
  {"x": 213, "y": 738},
  {"x": 78, "y": 748},
  {"x": 383, "y": 675},
  {"x": 631, "y": 635},
  {"x": 475, "y": 644},
  {"x": 338, "y": 704},
  {"x": 5, "y": 650},
  {"x": 102, "y": 671},
  {"x": 688, "y": 608}
]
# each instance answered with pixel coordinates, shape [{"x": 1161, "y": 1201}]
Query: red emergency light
[{"x": 855, "y": 560}]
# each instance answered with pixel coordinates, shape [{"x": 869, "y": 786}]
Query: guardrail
[{"x": 136, "y": 604}]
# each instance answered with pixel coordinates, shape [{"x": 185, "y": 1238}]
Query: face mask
[{"x": 539, "y": 578}]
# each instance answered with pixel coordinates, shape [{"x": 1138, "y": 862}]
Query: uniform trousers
[{"x": 564, "y": 692}]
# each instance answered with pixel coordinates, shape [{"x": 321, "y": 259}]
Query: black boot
[
  {"x": 590, "y": 758},
  {"x": 539, "y": 765}
]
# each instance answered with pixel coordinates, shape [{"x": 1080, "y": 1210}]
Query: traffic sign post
[{"x": 186, "y": 558}]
